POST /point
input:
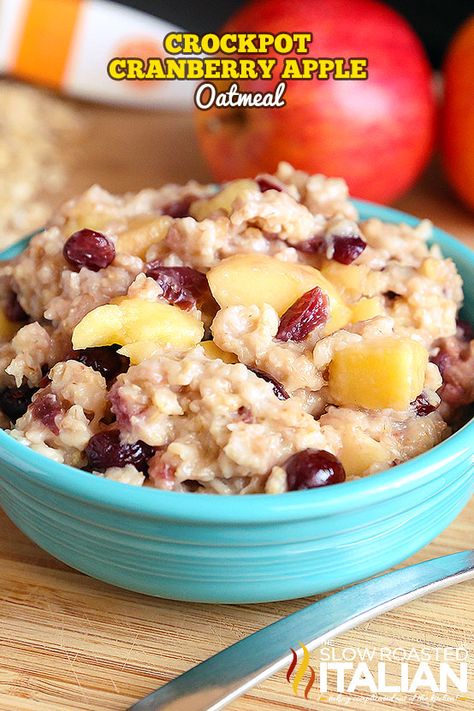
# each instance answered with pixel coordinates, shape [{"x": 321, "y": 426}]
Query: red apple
[
  {"x": 457, "y": 132},
  {"x": 377, "y": 133}
]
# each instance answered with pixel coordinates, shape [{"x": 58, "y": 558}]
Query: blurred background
[
  {"x": 435, "y": 21},
  {"x": 416, "y": 146}
]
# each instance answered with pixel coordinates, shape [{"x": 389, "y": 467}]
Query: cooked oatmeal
[{"x": 256, "y": 337}]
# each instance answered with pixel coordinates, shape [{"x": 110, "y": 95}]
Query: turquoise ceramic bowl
[{"x": 250, "y": 548}]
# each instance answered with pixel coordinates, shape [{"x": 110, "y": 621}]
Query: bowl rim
[{"x": 148, "y": 502}]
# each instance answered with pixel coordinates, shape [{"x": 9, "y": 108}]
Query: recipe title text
[{"x": 207, "y": 58}]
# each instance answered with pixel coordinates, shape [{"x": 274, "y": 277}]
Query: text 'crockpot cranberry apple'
[{"x": 252, "y": 337}]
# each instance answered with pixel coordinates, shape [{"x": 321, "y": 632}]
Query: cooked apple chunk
[
  {"x": 223, "y": 200},
  {"x": 248, "y": 279},
  {"x": 142, "y": 232},
  {"x": 366, "y": 308},
  {"x": 100, "y": 327},
  {"x": 385, "y": 373},
  {"x": 142, "y": 350},
  {"x": 360, "y": 453},
  {"x": 135, "y": 320},
  {"x": 348, "y": 278},
  {"x": 139, "y": 351},
  {"x": 213, "y": 351},
  {"x": 160, "y": 323}
]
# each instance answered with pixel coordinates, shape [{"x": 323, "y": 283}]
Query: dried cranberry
[
  {"x": 312, "y": 468},
  {"x": 179, "y": 208},
  {"x": 192, "y": 485},
  {"x": 442, "y": 359},
  {"x": 268, "y": 182},
  {"x": 119, "y": 407},
  {"x": 278, "y": 388},
  {"x": 45, "y": 408},
  {"x": 245, "y": 414},
  {"x": 44, "y": 382},
  {"x": 314, "y": 245},
  {"x": 87, "y": 248},
  {"x": 182, "y": 286},
  {"x": 422, "y": 406},
  {"x": 347, "y": 249},
  {"x": 104, "y": 359},
  {"x": 13, "y": 309},
  {"x": 464, "y": 330},
  {"x": 105, "y": 449},
  {"x": 307, "y": 313},
  {"x": 14, "y": 401}
]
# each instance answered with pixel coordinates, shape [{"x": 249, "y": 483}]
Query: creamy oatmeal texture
[{"x": 252, "y": 338}]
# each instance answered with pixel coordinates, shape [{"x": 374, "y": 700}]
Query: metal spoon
[{"x": 219, "y": 680}]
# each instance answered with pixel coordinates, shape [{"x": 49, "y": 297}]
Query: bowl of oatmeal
[{"x": 235, "y": 393}]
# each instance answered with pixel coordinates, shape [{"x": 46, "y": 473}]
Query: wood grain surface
[{"x": 69, "y": 643}]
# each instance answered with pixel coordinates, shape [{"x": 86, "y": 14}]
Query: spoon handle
[{"x": 219, "y": 680}]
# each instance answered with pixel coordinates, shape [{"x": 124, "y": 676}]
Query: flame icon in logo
[{"x": 300, "y": 671}]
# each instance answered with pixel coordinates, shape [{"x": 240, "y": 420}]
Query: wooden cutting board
[{"x": 69, "y": 643}]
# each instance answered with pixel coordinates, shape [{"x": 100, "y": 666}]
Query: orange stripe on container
[{"x": 46, "y": 40}]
